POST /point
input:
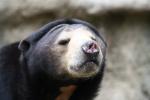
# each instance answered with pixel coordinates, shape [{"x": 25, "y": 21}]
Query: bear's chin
[{"x": 85, "y": 70}]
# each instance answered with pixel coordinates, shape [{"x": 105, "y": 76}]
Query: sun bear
[{"x": 63, "y": 60}]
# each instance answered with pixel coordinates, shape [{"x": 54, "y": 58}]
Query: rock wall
[
  {"x": 128, "y": 59},
  {"x": 125, "y": 24}
]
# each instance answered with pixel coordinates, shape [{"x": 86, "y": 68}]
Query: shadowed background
[{"x": 124, "y": 23}]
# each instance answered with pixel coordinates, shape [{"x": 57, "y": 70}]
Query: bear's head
[{"x": 65, "y": 49}]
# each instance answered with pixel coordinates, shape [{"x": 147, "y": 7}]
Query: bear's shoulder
[
  {"x": 9, "y": 54},
  {"x": 9, "y": 59}
]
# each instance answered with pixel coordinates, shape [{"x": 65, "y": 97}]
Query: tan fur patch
[{"x": 66, "y": 92}]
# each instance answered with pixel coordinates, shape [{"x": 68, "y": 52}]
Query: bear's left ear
[{"x": 24, "y": 45}]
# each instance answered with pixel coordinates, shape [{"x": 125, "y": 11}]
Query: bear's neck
[
  {"x": 42, "y": 87},
  {"x": 49, "y": 89}
]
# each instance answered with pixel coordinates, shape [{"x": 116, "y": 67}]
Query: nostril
[{"x": 90, "y": 48}]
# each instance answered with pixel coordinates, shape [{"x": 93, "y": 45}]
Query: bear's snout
[{"x": 90, "y": 49}]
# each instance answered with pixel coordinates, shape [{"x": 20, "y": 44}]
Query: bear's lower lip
[
  {"x": 86, "y": 67},
  {"x": 91, "y": 62}
]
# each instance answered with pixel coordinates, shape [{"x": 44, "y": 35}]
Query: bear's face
[
  {"x": 82, "y": 54},
  {"x": 67, "y": 51}
]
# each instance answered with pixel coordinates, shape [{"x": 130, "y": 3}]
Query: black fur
[{"x": 26, "y": 75}]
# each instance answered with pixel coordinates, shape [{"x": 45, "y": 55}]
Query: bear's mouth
[
  {"x": 89, "y": 63},
  {"x": 86, "y": 69}
]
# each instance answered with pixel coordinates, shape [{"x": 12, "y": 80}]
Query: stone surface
[
  {"x": 128, "y": 59},
  {"x": 125, "y": 24}
]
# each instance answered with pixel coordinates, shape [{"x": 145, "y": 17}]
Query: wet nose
[{"x": 90, "y": 48}]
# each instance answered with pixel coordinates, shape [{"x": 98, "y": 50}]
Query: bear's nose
[{"x": 90, "y": 48}]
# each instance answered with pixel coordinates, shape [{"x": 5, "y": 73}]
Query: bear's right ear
[{"x": 24, "y": 45}]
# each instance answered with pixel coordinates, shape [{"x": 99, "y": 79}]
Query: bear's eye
[
  {"x": 93, "y": 38},
  {"x": 64, "y": 42}
]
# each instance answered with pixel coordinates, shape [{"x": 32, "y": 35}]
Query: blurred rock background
[{"x": 124, "y": 23}]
